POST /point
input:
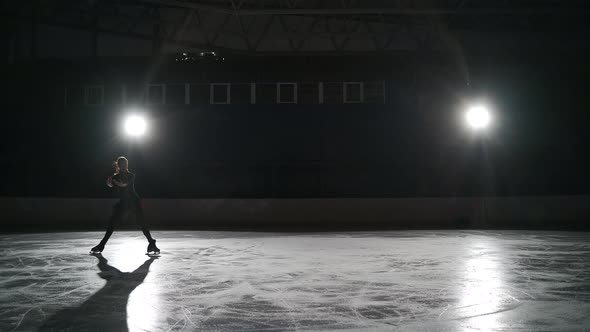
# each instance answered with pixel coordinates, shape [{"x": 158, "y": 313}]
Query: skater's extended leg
[
  {"x": 117, "y": 214},
  {"x": 108, "y": 233}
]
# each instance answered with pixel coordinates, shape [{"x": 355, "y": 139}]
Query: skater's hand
[
  {"x": 119, "y": 184},
  {"x": 110, "y": 182}
]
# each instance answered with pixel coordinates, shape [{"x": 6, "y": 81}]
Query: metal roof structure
[{"x": 262, "y": 27}]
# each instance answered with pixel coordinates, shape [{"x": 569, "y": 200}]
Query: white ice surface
[{"x": 224, "y": 281}]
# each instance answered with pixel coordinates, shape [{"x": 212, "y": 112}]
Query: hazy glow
[
  {"x": 135, "y": 125},
  {"x": 478, "y": 117}
]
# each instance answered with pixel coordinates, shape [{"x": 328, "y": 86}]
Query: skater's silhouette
[
  {"x": 123, "y": 182},
  {"x": 106, "y": 310}
]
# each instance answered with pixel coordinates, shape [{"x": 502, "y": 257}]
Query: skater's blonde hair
[{"x": 121, "y": 164}]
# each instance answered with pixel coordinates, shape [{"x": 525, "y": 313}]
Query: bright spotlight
[
  {"x": 135, "y": 125},
  {"x": 477, "y": 117}
]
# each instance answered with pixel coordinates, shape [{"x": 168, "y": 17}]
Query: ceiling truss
[{"x": 298, "y": 26}]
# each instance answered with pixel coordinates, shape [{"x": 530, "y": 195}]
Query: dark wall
[
  {"x": 414, "y": 145},
  {"x": 284, "y": 214}
]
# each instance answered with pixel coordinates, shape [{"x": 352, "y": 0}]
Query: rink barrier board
[{"x": 433, "y": 212}]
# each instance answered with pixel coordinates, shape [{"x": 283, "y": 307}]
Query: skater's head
[{"x": 121, "y": 165}]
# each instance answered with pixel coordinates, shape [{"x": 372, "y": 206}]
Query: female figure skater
[{"x": 123, "y": 183}]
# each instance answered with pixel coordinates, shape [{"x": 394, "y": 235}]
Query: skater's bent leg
[{"x": 117, "y": 214}]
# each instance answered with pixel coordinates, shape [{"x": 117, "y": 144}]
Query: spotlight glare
[
  {"x": 135, "y": 125},
  {"x": 477, "y": 117}
]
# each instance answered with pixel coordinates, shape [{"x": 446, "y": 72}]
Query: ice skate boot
[
  {"x": 98, "y": 249},
  {"x": 152, "y": 249}
]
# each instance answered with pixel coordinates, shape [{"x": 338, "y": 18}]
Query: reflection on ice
[{"x": 482, "y": 293}]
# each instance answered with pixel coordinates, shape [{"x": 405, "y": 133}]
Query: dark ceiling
[{"x": 302, "y": 26}]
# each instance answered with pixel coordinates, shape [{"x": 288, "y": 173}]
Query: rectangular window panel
[
  {"x": 220, "y": 93},
  {"x": 333, "y": 93},
  {"x": 76, "y": 95},
  {"x": 353, "y": 92},
  {"x": 308, "y": 93},
  {"x": 373, "y": 92},
  {"x": 94, "y": 95},
  {"x": 287, "y": 93}
]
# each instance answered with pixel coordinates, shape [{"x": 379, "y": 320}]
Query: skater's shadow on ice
[{"x": 106, "y": 310}]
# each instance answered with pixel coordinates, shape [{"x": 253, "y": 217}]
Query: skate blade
[{"x": 153, "y": 253}]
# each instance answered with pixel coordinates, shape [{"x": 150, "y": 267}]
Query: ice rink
[{"x": 230, "y": 281}]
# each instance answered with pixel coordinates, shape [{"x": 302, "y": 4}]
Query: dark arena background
[{"x": 304, "y": 165}]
